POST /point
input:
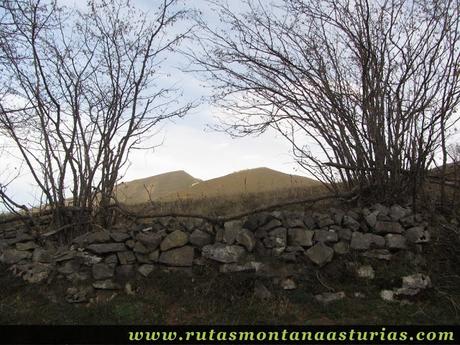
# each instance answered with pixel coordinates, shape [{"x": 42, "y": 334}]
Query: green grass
[{"x": 214, "y": 298}]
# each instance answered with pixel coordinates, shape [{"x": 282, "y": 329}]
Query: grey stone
[
  {"x": 219, "y": 235},
  {"x": 288, "y": 284},
  {"x": 325, "y": 236},
  {"x": 380, "y": 254},
  {"x": 293, "y": 223},
  {"x": 36, "y": 272},
  {"x": 365, "y": 272},
  {"x": 173, "y": 240},
  {"x": 382, "y": 227},
  {"x": 324, "y": 221},
  {"x": 102, "y": 271},
  {"x": 359, "y": 241},
  {"x": 111, "y": 260},
  {"x": 272, "y": 224},
  {"x": 126, "y": 257},
  {"x": 119, "y": 236},
  {"x": 26, "y": 245},
  {"x": 251, "y": 266},
  {"x": 142, "y": 258},
  {"x": 300, "y": 237},
  {"x": 88, "y": 259},
  {"x": 124, "y": 272},
  {"x": 350, "y": 223},
  {"x": 320, "y": 254},
  {"x": 68, "y": 267},
  {"x": 13, "y": 256},
  {"x": 344, "y": 234},
  {"x": 417, "y": 235},
  {"x": 309, "y": 221},
  {"x": 371, "y": 218},
  {"x": 383, "y": 210},
  {"x": 104, "y": 248},
  {"x": 341, "y": 248},
  {"x": 200, "y": 238},
  {"x": 223, "y": 253},
  {"x": 376, "y": 240},
  {"x": 247, "y": 239},
  {"x": 106, "y": 285},
  {"x": 329, "y": 297},
  {"x": 397, "y": 212},
  {"x": 139, "y": 248},
  {"x": 182, "y": 256},
  {"x": 151, "y": 241},
  {"x": 154, "y": 256},
  {"x": 395, "y": 241},
  {"x": 279, "y": 237},
  {"x": 231, "y": 230},
  {"x": 42, "y": 255},
  {"x": 145, "y": 270},
  {"x": 387, "y": 295},
  {"x": 416, "y": 281}
]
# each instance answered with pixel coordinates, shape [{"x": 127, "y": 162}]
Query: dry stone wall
[{"x": 105, "y": 259}]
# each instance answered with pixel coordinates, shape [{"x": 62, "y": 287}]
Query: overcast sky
[{"x": 188, "y": 144}]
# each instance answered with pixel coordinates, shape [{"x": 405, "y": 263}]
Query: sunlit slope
[
  {"x": 259, "y": 180},
  {"x": 154, "y": 187}
]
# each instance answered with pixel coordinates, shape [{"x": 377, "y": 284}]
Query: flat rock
[
  {"x": 320, "y": 254},
  {"x": 416, "y": 281},
  {"x": 359, "y": 241},
  {"x": 325, "y": 236},
  {"x": 380, "y": 254},
  {"x": 13, "y": 256},
  {"x": 145, "y": 269},
  {"x": 223, "y": 253},
  {"x": 382, "y": 227},
  {"x": 247, "y": 239},
  {"x": 329, "y": 297},
  {"x": 417, "y": 234},
  {"x": 231, "y": 230},
  {"x": 126, "y": 257},
  {"x": 288, "y": 284},
  {"x": 175, "y": 239},
  {"x": 200, "y": 238},
  {"x": 182, "y": 256},
  {"x": 106, "y": 285},
  {"x": 397, "y": 212},
  {"x": 341, "y": 248},
  {"x": 119, "y": 236},
  {"x": 104, "y": 248},
  {"x": 351, "y": 223},
  {"x": 29, "y": 245},
  {"x": 102, "y": 271},
  {"x": 365, "y": 272},
  {"x": 394, "y": 241},
  {"x": 150, "y": 240}
]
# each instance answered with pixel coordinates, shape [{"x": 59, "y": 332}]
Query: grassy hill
[
  {"x": 154, "y": 187},
  {"x": 251, "y": 181},
  {"x": 243, "y": 190}
]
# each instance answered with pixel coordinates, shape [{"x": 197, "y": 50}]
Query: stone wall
[{"x": 104, "y": 259}]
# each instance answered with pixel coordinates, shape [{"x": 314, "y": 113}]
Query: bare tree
[
  {"x": 365, "y": 91},
  {"x": 83, "y": 89}
]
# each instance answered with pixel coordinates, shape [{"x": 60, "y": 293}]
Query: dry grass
[
  {"x": 237, "y": 192},
  {"x": 226, "y": 205}
]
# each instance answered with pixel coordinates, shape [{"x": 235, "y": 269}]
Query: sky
[{"x": 186, "y": 144}]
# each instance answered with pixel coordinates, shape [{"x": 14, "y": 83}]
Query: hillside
[
  {"x": 251, "y": 181},
  {"x": 154, "y": 187}
]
